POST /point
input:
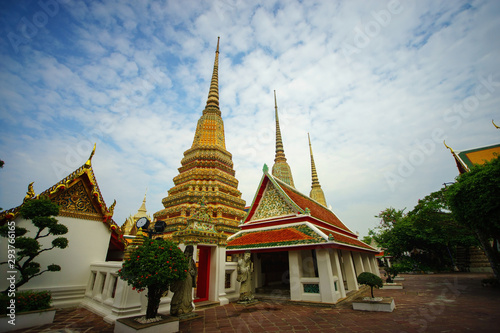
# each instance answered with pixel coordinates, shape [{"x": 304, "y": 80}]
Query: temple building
[
  {"x": 300, "y": 248},
  {"x": 473, "y": 259},
  {"x": 92, "y": 235},
  {"x": 205, "y": 205}
]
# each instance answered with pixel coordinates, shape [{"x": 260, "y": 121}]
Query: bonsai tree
[
  {"x": 391, "y": 273},
  {"x": 154, "y": 266},
  {"x": 40, "y": 212},
  {"x": 371, "y": 280}
]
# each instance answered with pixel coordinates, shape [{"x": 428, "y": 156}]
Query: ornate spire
[
  {"x": 206, "y": 171},
  {"x": 281, "y": 169},
  {"x": 210, "y": 128},
  {"x": 316, "y": 191},
  {"x": 142, "y": 212},
  {"x": 213, "y": 94}
]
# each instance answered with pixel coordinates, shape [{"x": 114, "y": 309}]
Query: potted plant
[
  {"x": 155, "y": 265},
  {"x": 23, "y": 250},
  {"x": 391, "y": 273},
  {"x": 31, "y": 308},
  {"x": 385, "y": 304}
]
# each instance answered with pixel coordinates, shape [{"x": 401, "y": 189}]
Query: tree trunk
[{"x": 154, "y": 297}]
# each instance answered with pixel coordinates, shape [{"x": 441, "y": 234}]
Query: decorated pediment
[
  {"x": 272, "y": 204},
  {"x": 77, "y": 202}
]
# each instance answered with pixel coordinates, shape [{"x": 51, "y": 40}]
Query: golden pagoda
[
  {"x": 281, "y": 169},
  {"x": 129, "y": 227},
  {"x": 316, "y": 191},
  {"x": 206, "y": 175}
]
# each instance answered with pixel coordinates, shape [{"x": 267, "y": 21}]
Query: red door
[{"x": 202, "y": 282}]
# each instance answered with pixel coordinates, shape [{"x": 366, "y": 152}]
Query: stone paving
[{"x": 428, "y": 303}]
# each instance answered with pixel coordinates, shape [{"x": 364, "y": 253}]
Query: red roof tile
[
  {"x": 275, "y": 237},
  {"x": 317, "y": 210}
]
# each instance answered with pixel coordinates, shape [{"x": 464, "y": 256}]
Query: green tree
[
  {"x": 154, "y": 265},
  {"x": 40, "y": 212},
  {"x": 475, "y": 202},
  {"x": 428, "y": 232},
  {"x": 371, "y": 280}
]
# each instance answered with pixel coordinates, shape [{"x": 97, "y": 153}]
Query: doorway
[{"x": 203, "y": 280}]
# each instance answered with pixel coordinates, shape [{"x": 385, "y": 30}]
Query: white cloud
[{"x": 134, "y": 77}]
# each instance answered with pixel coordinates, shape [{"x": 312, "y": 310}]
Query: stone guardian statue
[
  {"x": 182, "y": 301},
  {"x": 245, "y": 270}
]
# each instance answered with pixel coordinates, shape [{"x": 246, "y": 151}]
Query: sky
[{"x": 378, "y": 85}]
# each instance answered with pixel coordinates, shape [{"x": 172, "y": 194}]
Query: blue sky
[{"x": 378, "y": 85}]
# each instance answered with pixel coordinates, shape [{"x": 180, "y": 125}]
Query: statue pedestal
[
  {"x": 129, "y": 325},
  {"x": 250, "y": 302}
]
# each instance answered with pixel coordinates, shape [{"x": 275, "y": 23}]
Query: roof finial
[
  {"x": 213, "y": 94},
  {"x": 89, "y": 161},
  {"x": 494, "y": 124},
  {"x": 444, "y": 142},
  {"x": 316, "y": 191},
  {"x": 30, "y": 193}
]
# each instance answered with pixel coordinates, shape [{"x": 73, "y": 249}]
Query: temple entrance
[
  {"x": 275, "y": 274},
  {"x": 203, "y": 280}
]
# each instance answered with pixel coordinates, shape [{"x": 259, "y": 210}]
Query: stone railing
[{"x": 109, "y": 296}]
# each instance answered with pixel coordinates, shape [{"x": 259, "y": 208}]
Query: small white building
[{"x": 92, "y": 235}]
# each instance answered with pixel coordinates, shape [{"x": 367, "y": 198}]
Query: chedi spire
[{"x": 281, "y": 169}]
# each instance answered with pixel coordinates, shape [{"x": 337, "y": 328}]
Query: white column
[
  {"x": 325, "y": 272},
  {"x": 295, "y": 268},
  {"x": 358, "y": 262},
  {"x": 221, "y": 272},
  {"x": 366, "y": 263},
  {"x": 336, "y": 269},
  {"x": 375, "y": 264},
  {"x": 350, "y": 273}
]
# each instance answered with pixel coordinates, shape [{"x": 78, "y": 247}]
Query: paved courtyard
[{"x": 428, "y": 303}]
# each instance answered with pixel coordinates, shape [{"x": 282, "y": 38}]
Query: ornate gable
[
  {"x": 272, "y": 204},
  {"x": 77, "y": 202}
]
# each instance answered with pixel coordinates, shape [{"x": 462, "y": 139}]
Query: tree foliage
[
  {"x": 371, "y": 280},
  {"x": 40, "y": 212},
  {"x": 428, "y": 233},
  {"x": 475, "y": 202},
  {"x": 154, "y": 265}
]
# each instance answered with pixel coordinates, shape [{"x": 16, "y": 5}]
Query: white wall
[{"x": 88, "y": 242}]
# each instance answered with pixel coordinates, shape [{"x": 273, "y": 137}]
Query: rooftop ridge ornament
[
  {"x": 89, "y": 161},
  {"x": 213, "y": 93},
  {"x": 30, "y": 194}
]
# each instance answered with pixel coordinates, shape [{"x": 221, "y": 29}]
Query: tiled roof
[
  {"x": 83, "y": 171},
  {"x": 339, "y": 238},
  {"x": 479, "y": 155},
  {"x": 287, "y": 236},
  {"x": 317, "y": 210}
]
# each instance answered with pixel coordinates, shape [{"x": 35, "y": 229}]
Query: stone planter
[
  {"x": 384, "y": 304},
  {"x": 393, "y": 286},
  {"x": 129, "y": 325},
  {"x": 27, "y": 319}
]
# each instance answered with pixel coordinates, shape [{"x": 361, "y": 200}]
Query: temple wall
[{"x": 88, "y": 242}]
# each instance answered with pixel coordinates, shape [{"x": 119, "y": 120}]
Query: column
[
  {"x": 358, "y": 262},
  {"x": 295, "y": 268},
  {"x": 326, "y": 280},
  {"x": 334, "y": 258},
  {"x": 350, "y": 273}
]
